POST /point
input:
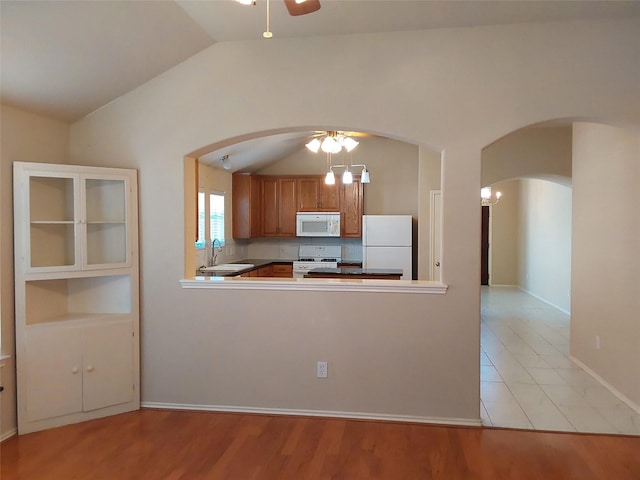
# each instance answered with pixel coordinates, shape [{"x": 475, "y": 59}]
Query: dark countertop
[
  {"x": 350, "y": 263},
  {"x": 263, "y": 262},
  {"x": 257, "y": 263},
  {"x": 356, "y": 272}
]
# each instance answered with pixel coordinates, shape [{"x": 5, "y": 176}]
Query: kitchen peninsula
[{"x": 253, "y": 267}]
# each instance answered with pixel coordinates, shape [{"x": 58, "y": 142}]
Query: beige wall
[
  {"x": 531, "y": 239},
  {"x": 531, "y": 152},
  {"x": 544, "y": 250},
  {"x": 432, "y": 88},
  {"x": 505, "y": 234},
  {"x": 606, "y": 257},
  {"x": 394, "y": 173},
  {"x": 28, "y": 138}
]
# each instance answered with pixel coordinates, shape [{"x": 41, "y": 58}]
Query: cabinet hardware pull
[
  {"x": 74, "y": 370},
  {"x": 1, "y": 389},
  {"x": 90, "y": 368}
]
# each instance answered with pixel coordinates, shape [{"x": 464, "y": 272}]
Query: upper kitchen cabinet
[
  {"x": 279, "y": 207},
  {"x": 351, "y": 209},
  {"x": 76, "y": 218},
  {"x": 246, "y": 205},
  {"x": 316, "y": 196}
]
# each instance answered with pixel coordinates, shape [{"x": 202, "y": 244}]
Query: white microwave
[{"x": 318, "y": 224}]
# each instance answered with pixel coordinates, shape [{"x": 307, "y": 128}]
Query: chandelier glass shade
[
  {"x": 330, "y": 178},
  {"x": 347, "y": 177},
  {"x": 332, "y": 142}
]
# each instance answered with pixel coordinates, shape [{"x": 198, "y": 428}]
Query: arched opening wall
[{"x": 401, "y": 355}]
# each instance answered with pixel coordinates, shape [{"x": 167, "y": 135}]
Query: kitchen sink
[{"x": 227, "y": 267}]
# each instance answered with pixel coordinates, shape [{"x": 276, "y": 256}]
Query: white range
[{"x": 312, "y": 256}]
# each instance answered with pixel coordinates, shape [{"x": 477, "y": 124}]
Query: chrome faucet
[{"x": 214, "y": 253}]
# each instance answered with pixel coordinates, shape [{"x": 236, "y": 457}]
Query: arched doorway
[{"x": 530, "y": 376}]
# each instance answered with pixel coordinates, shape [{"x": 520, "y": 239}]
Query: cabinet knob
[
  {"x": 90, "y": 368},
  {"x": 74, "y": 370}
]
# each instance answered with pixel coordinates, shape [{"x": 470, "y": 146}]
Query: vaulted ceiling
[{"x": 67, "y": 58}]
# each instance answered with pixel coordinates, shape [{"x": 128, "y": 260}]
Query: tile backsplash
[
  {"x": 287, "y": 248},
  {"x": 279, "y": 249}
]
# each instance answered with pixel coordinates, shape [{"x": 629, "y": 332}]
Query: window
[{"x": 210, "y": 217}]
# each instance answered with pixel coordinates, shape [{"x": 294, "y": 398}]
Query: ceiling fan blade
[
  {"x": 307, "y": 6},
  {"x": 357, "y": 134}
]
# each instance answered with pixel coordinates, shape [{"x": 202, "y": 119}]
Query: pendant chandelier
[
  {"x": 488, "y": 198},
  {"x": 347, "y": 176}
]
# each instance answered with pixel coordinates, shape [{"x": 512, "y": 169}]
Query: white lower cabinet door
[
  {"x": 54, "y": 372},
  {"x": 108, "y": 365}
]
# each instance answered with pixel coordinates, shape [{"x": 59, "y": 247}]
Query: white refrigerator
[{"x": 386, "y": 243}]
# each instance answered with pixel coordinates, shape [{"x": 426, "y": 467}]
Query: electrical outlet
[
  {"x": 321, "y": 371},
  {"x": 597, "y": 342}
]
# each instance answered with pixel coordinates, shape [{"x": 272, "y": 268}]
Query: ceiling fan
[
  {"x": 295, "y": 8},
  {"x": 333, "y": 141}
]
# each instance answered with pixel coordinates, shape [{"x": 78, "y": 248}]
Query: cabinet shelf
[
  {"x": 106, "y": 222},
  {"x": 79, "y": 319},
  {"x": 57, "y": 300},
  {"x": 52, "y": 222}
]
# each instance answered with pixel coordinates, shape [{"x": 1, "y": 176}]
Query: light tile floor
[{"x": 527, "y": 378}]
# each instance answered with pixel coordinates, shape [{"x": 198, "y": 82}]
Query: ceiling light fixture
[
  {"x": 267, "y": 33},
  {"x": 487, "y": 197},
  {"x": 294, "y": 7},
  {"x": 332, "y": 142},
  {"x": 225, "y": 162}
]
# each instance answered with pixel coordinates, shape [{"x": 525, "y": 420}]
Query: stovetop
[
  {"x": 310, "y": 259},
  {"x": 318, "y": 253}
]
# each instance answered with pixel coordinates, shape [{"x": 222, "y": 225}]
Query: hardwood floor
[{"x": 179, "y": 445}]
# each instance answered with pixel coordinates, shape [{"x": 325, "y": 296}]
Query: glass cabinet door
[
  {"x": 105, "y": 221},
  {"x": 52, "y": 221},
  {"x": 77, "y": 221}
]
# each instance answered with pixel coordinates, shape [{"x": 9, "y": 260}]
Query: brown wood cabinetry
[
  {"x": 266, "y": 271},
  {"x": 246, "y": 201},
  {"x": 271, "y": 270},
  {"x": 351, "y": 209},
  {"x": 251, "y": 273},
  {"x": 285, "y": 271},
  {"x": 266, "y": 206},
  {"x": 316, "y": 196},
  {"x": 279, "y": 207}
]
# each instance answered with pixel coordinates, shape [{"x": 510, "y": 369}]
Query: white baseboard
[
  {"x": 8, "y": 434},
  {"x": 317, "y": 413},
  {"x": 566, "y": 312},
  {"x": 621, "y": 396}
]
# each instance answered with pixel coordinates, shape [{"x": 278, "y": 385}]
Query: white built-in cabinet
[{"x": 76, "y": 289}]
